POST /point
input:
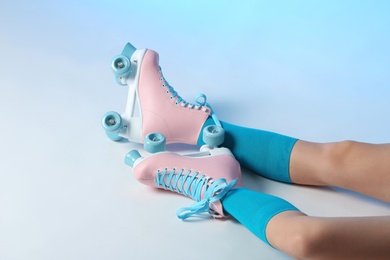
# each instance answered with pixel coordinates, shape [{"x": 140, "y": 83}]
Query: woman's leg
[
  {"x": 254, "y": 209},
  {"x": 281, "y": 225},
  {"x": 304, "y": 237},
  {"x": 361, "y": 167},
  {"x": 356, "y": 166}
]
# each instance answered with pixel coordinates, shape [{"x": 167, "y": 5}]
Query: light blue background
[{"x": 315, "y": 70}]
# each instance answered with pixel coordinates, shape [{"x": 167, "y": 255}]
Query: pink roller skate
[
  {"x": 204, "y": 176},
  {"x": 161, "y": 108}
]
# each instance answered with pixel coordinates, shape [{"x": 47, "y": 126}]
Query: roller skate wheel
[
  {"x": 131, "y": 157},
  {"x": 213, "y": 135},
  {"x": 112, "y": 124},
  {"x": 154, "y": 142},
  {"x": 121, "y": 66}
]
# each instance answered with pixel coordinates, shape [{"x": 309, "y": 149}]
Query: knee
[
  {"x": 299, "y": 236},
  {"x": 306, "y": 244},
  {"x": 336, "y": 155}
]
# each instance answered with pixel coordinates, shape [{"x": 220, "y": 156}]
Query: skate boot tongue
[
  {"x": 213, "y": 194},
  {"x": 197, "y": 186}
]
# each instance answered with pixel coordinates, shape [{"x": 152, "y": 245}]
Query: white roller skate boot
[
  {"x": 160, "y": 106},
  {"x": 205, "y": 177}
]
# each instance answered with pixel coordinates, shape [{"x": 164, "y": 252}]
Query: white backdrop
[{"x": 317, "y": 71}]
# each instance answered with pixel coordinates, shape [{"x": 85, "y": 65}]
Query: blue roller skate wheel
[
  {"x": 121, "y": 66},
  {"x": 213, "y": 135},
  {"x": 131, "y": 157},
  {"x": 112, "y": 124},
  {"x": 154, "y": 142}
]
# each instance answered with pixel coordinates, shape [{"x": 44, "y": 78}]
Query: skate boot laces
[
  {"x": 192, "y": 185},
  {"x": 200, "y": 100}
]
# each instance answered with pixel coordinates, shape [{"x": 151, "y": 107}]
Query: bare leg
[
  {"x": 305, "y": 237},
  {"x": 361, "y": 167},
  {"x": 280, "y": 224}
]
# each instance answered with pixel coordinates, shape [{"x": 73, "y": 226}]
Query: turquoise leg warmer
[
  {"x": 265, "y": 153},
  {"x": 254, "y": 209}
]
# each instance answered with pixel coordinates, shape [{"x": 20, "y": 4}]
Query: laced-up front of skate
[
  {"x": 197, "y": 186},
  {"x": 200, "y": 100}
]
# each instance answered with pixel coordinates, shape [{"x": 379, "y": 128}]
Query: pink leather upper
[
  {"x": 217, "y": 166},
  {"x": 160, "y": 113}
]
